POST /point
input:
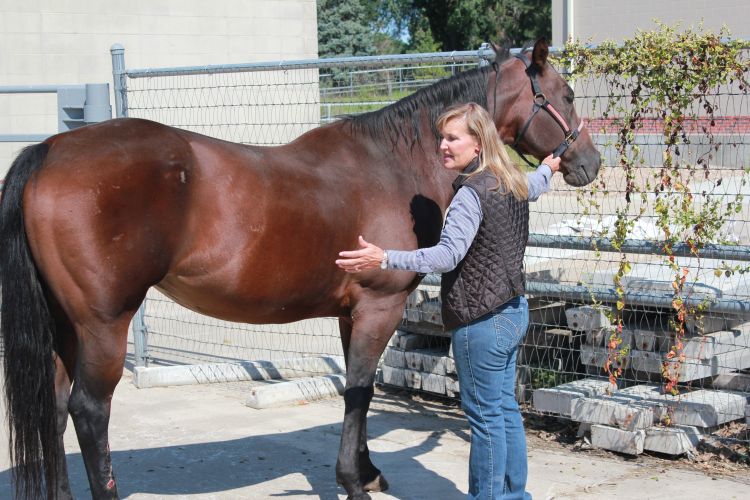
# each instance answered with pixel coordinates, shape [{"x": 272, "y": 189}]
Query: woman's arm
[
  {"x": 540, "y": 179},
  {"x": 461, "y": 225}
]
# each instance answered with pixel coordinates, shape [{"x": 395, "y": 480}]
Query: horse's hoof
[
  {"x": 378, "y": 484},
  {"x": 359, "y": 496}
]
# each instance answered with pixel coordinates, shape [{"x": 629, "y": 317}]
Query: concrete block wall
[{"x": 52, "y": 42}]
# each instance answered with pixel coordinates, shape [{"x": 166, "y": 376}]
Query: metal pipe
[
  {"x": 647, "y": 298},
  {"x": 29, "y": 89},
  {"x": 468, "y": 55},
  {"x": 579, "y": 293},
  {"x": 726, "y": 252},
  {"x": 23, "y": 137}
]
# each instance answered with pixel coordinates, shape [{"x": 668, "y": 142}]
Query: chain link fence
[
  {"x": 262, "y": 104},
  {"x": 571, "y": 261}
]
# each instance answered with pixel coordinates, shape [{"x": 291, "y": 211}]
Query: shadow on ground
[{"x": 226, "y": 467}]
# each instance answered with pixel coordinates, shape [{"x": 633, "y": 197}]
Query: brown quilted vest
[{"x": 491, "y": 273}]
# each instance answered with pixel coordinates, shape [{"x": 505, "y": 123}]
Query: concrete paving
[{"x": 202, "y": 442}]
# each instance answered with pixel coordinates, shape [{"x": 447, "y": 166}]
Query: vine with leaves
[{"x": 667, "y": 76}]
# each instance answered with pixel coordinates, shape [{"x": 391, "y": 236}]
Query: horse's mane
[{"x": 388, "y": 123}]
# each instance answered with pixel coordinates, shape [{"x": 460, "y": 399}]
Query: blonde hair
[{"x": 492, "y": 155}]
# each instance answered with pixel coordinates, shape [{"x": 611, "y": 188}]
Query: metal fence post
[
  {"x": 120, "y": 81},
  {"x": 485, "y": 47},
  {"x": 140, "y": 336}
]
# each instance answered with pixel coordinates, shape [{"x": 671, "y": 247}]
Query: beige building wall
[
  {"x": 58, "y": 42},
  {"x": 598, "y": 20}
]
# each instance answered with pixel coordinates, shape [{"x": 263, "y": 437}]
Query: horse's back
[{"x": 225, "y": 229}]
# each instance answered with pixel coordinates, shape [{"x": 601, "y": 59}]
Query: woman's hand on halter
[
  {"x": 368, "y": 256},
  {"x": 553, "y": 162}
]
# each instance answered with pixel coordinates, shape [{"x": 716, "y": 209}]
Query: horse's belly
[{"x": 257, "y": 308}]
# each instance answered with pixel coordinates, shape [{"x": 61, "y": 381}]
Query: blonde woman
[{"x": 480, "y": 254}]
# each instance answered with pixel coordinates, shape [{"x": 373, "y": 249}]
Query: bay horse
[{"x": 93, "y": 217}]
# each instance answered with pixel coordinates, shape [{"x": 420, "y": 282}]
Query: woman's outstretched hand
[
  {"x": 368, "y": 256},
  {"x": 553, "y": 162}
]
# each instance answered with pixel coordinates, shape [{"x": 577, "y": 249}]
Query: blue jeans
[{"x": 485, "y": 354}]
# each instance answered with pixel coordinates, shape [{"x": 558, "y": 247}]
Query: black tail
[{"x": 28, "y": 333}]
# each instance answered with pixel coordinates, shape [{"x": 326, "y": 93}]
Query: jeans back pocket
[{"x": 510, "y": 325}]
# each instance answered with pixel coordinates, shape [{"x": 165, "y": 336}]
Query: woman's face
[{"x": 458, "y": 146}]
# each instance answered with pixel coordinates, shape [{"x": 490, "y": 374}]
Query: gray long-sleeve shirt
[{"x": 460, "y": 228}]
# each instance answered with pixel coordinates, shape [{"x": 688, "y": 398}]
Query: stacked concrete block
[
  {"x": 592, "y": 322},
  {"x": 705, "y": 356},
  {"x": 394, "y": 357},
  {"x": 596, "y": 358},
  {"x": 393, "y": 376},
  {"x": 554, "y": 349},
  {"x": 676, "y": 440},
  {"x": 423, "y": 306},
  {"x": 451, "y": 387},
  {"x": 427, "y": 360},
  {"x": 435, "y": 362},
  {"x": 586, "y": 318},
  {"x": 706, "y": 324},
  {"x": 646, "y": 361},
  {"x": 560, "y": 399},
  {"x": 545, "y": 313},
  {"x": 651, "y": 340},
  {"x": 412, "y": 379},
  {"x": 433, "y": 383},
  {"x": 613, "y": 411},
  {"x": 627, "y": 420},
  {"x": 700, "y": 408},
  {"x": 709, "y": 348},
  {"x": 407, "y": 363},
  {"x": 598, "y": 337},
  {"x": 628, "y": 425},
  {"x": 739, "y": 382},
  {"x": 408, "y": 341},
  {"x": 412, "y": 309},
  {"x": 619, "y": 440}
]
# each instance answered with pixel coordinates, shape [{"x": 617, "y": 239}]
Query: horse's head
[{"x": 534, "y": 113}]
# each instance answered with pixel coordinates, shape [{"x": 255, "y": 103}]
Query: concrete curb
[
  {"x": 162, "y": 376},
  {"x": 296, "y": 391}
]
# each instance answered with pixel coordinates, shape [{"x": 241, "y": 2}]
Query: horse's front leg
[
  {"x": 373, "y": 323},
  {"x": 369, "y": 475}
]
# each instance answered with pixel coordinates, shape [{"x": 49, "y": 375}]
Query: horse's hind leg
[
  {"x": 373, "y": 324},
  {"x": 64, "y": 365},
  {"x": 101, "y": 357}
]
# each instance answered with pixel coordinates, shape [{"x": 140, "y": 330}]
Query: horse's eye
[{"x": 570, "y": 98}]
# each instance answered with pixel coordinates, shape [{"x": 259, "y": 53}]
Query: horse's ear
[
  {"x": 540, "y": 53},
  {"x": 501, "y": 51}
]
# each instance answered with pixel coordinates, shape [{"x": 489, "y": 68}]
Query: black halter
[{"x": 541, "y": 102}]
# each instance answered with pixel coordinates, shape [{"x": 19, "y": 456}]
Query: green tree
[
  {"x": 465, "y": 24},
  {"x": 421, "y": 39},
  {"x": 455, "y": 25},
  {"x": 345, "y": 28},
  {"x": 357, "y": 27},
  {"x": 518, "y": 22}
]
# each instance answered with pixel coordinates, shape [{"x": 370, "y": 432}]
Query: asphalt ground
[{"x": 202, "y": 442}]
